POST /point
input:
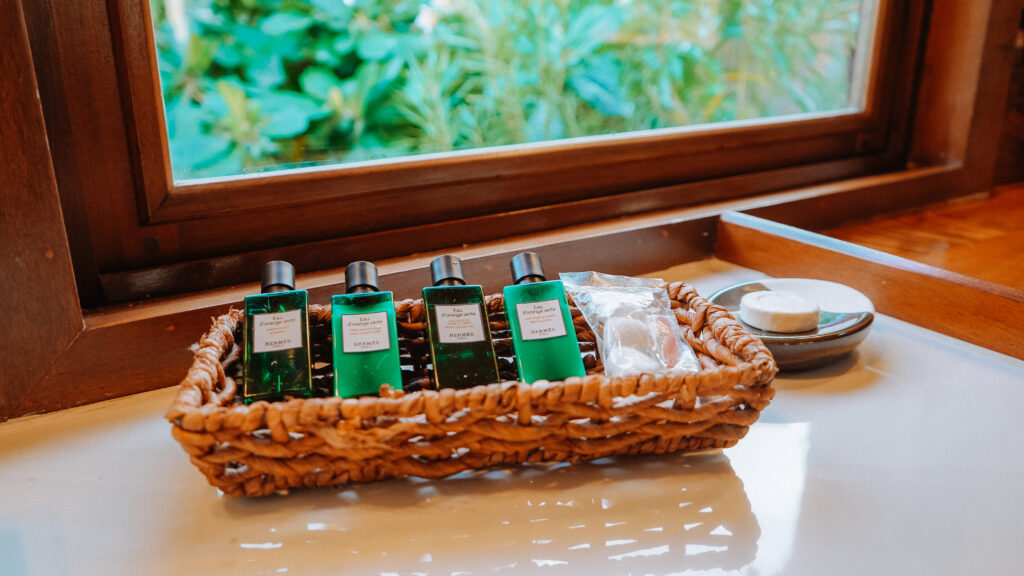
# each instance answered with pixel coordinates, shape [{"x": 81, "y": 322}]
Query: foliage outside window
[{"x": 255, "y": 85}]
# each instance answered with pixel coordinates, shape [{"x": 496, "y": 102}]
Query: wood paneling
[
  {"x": 82, "y": 106},
  {"x": 973, "y": 310},
  {"x": 41, "y": 315},
  {"x": 45, "y": 55},
  {"x": 1010, "y": 163},
  {"x": 964, "y": 87}
]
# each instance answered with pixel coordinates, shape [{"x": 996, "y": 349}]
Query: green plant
[{"x": 253, "y": 85}]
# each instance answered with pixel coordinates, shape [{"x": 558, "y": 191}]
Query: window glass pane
[{"x": 258, "y": 85}]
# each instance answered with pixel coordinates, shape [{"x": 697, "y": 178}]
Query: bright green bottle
[
  {"x": 460, "y": 336},
  {"x": 365, "y": 335},
  {"x": 275, "y": 357},
  {"x": 542, "y": 329}
]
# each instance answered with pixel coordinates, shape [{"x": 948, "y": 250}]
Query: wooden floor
[{"x": 980, "y": 238}]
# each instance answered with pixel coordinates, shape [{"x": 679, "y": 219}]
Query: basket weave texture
[{"x": 267, "y": 447}]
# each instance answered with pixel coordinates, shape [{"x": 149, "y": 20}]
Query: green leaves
[
  {"x": 200, "y": 151},
  {"x": 376, "y": 45},
  {"x": 192, "y": 144},
  {"x": 544, "y": 124},
  {"x": 285, "y": 23},
  {"x": 199, "y": 54},
  {"x": 598, "y": 85},
  {"x": 592, "y": 28},
  {"x": 288, "y": 114},
  {"x": 268, "y": 72},
  {"x": 336, "y": 14},
  {"x": 317, "y": 81},
  {"x": 256, "y": 84}
]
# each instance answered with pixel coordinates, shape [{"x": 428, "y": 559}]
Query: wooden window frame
[
  {"x": 150, "y": 237},
  {"x": 55, "y": 352},
  {"x": 464, "y": 184}
]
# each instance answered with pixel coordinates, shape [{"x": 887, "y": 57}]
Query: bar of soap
[
  {"x": 779, "y": 311},
  {"x": 627, "y": 332},
  {"x": 629, "y": 348}
]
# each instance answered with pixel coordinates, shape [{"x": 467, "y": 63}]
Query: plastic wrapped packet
[{"x": 633, "y": 321}]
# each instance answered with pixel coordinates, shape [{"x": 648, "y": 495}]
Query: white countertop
[{"x": 904, "y": 458}]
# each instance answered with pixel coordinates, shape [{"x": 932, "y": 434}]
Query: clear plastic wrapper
[{"x": 633, "y": 321}]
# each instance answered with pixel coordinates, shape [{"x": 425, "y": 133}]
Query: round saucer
[{"x": 844, "y": 322}]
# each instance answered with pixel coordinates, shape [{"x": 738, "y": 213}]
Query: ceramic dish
[{"x": 844, "y": 322}]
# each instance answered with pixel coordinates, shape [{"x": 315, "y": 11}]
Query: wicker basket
[{"x": 267, "y": 447}]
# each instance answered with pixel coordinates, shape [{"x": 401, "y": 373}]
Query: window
[
  {"x": 149, "y": 233},
  {"x": 256, "y": 87}
]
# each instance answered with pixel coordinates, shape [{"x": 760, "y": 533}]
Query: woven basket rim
[{"x": 756, "y": 358}]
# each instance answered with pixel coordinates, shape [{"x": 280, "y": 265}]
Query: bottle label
[
  {"x": 459, "y": 323},
  {"x": 277, "y": 331},
  {"x": 365, "y": 332},
  {"x": 540, "y": 320}
]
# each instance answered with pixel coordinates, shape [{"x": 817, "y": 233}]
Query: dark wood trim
[
  {"x": 993, "y": 85},
  {"x": 964, "y": 83},
  {"x": 966, "y": 308},
  {"x": 280, "y": 227},
  {"x": 54, "y": 86},
  {"x": 887, "y": 193},
  {"x": 216, "y": 271},
  {"x": 78, "y": 86},
  {"x": 133, "y": 44},
  {"x": 896, "y": 94},
  {"x": 41, "y": 316},
  {"x": 526, "y": 175}
]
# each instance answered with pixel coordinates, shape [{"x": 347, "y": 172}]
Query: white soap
[
  {"x": 779, "y": 311},
  {"x": 629, "y": 348},
  {"x": 628, "y": 333}
]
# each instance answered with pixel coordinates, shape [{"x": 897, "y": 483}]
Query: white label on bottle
[
  {"x": 365, "y": 332},
  {"x": 277, "y": 331},
  {"x": 459, "y": 323},
  {"x": 540, "y": 320}
]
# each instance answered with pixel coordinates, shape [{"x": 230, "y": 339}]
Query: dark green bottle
[
  {"x": 275, "y": 358},
  {"x": 365, "y": 335},
  {"x": 538, "y": 317},
  {"x": 459, "y": 334}
]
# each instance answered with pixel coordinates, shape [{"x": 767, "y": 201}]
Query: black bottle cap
[
  {"x": 447, "y": 270},
  {"x": 278, "y": 276},
  {"x": 526, "y": 268},
  {"x": 361, "y": 277}
]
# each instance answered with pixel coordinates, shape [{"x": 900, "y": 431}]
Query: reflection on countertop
[{"x": 645, "y": 515}]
